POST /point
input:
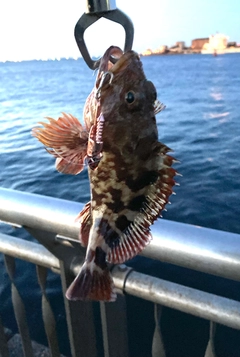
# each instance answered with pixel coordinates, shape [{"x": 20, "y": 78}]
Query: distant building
[
  {"x": 198, "y": 43},
  {"x": 217, "y": 44},
  {"x": 180, "y": 45},
  {"x": 232, "y": 44},
  {"x": 148, "y": 52},
  {"x": 160, "y": 50}
]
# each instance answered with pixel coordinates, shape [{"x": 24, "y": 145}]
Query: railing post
[
  {"x": 80, "y": 321},
  {"x": 3, "y": 342},
  {"x": 19, "y": 309},
  {"x": 157, "y": 345},
  {"x": 114, "y": 328},
  {"x": 210, "y": 351},
  {"x": 47, "y": 313}
]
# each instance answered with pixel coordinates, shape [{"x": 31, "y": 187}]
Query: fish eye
[{"x": 130, "y": 97}]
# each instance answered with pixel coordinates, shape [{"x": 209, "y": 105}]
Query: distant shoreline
[
  {"x": 191, "y": 52},
  {"x": 169, "y": 53}
]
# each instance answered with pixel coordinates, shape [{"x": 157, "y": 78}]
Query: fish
[{"x": 131, "y": 173}]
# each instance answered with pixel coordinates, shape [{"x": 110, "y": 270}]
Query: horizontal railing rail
[
  {"x": 189, "y": 300},
  {"x": 203, "y": 249},
  {"x": 52, "y": 222}
]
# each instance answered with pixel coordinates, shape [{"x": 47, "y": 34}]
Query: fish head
[
  {"x": 127, "y": 101},
  {"x": 92, "y": 105}
]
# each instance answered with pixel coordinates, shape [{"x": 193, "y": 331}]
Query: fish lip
[
  {"x": 113, "y": 53},
  {"x": 123, "y": 61},
  {"x": 114, "y": 60}
]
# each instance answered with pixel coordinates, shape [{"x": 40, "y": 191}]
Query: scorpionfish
[{"x": 130, "y": 171}]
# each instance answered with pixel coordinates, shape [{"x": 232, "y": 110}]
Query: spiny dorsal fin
[{"x": 131, "y": 243}]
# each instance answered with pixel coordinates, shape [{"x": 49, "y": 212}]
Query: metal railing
[{"x": 51, "y": 222}]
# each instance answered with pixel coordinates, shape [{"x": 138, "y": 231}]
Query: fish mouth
[
  {"x": 123, "y": 62},
  {"x": 110, "y": 58},
  {"x": 113, "y": 61}
]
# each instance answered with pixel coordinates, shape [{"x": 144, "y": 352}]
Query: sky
[{"x": 43, "y": 29}]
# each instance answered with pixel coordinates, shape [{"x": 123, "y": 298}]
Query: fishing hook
[
  {"x": 95, "y": 10},
  {"x": 104, "y": 81}
]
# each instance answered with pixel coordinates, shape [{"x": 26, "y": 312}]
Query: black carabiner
[{"x": 96, "y": 10}]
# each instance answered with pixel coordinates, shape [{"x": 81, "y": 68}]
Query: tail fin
[{"x": 93, "y": 282}]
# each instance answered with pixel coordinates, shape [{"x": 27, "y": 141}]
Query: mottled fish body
[{"x": 130, "y": 171}]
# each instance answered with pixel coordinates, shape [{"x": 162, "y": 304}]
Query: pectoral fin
[{"x": 66, "y": 139}]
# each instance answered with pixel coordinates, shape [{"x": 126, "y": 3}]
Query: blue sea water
[{"x": 201, "y": 123}]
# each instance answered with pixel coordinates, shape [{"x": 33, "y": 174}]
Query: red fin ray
[
  {"x": 66, "y": 139},
  {"x": 84, "y": 218},
  {"x": 92, "y": 283},
  {"x": 131, "y": 243},
  {"x": 72, "y": 165}
]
